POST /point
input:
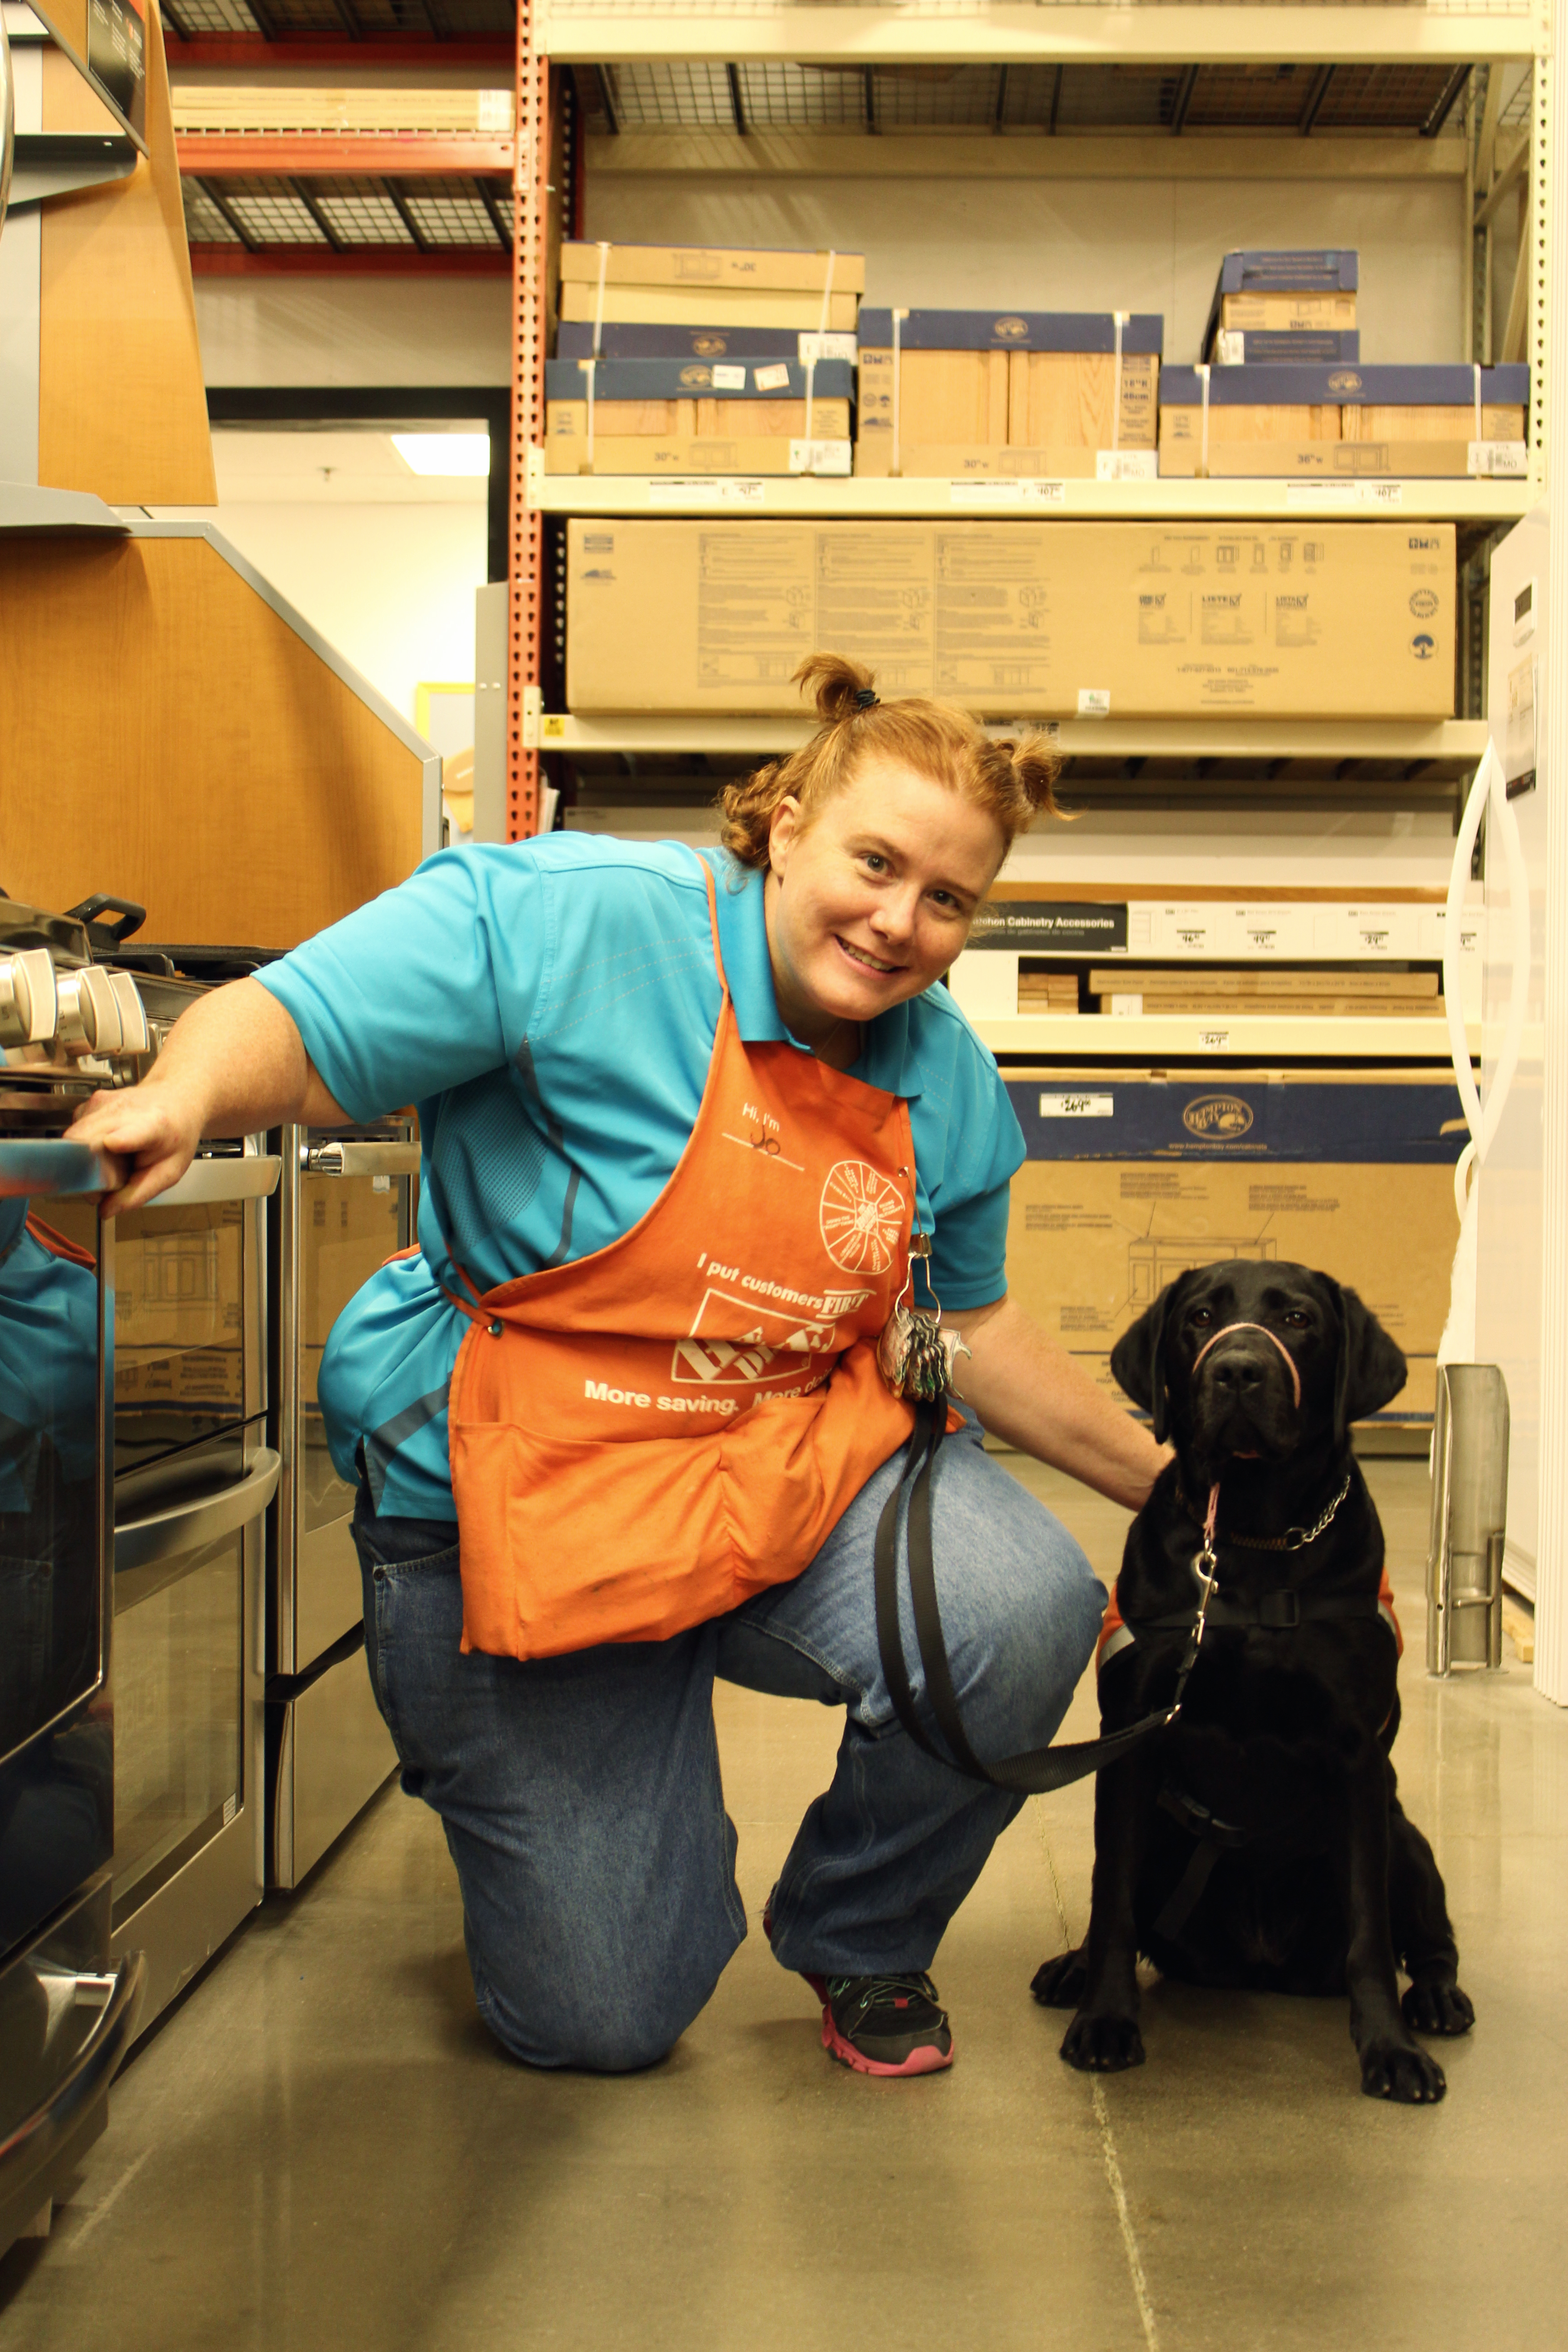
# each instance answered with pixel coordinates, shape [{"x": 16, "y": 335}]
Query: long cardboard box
[
  {"x": 777, "y": 269},
  {"x": 1292, "y": 347},
  {"x": 1417, "y": 420},
  {"x": 716, "y": 307},
  {"x": 1030, "y": 379},
  {"x": 1260, "y": 980},
  {"x": 622, "y": 338},
  {"x": 1133, "y": 1177},
  {"x": 1019, "y": 619},
  {"x": 1282, "y": 314},
  {"x": 695, "y": 447}
]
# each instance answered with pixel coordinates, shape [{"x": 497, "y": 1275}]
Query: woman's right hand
[{"x": 152, "y": 1130}]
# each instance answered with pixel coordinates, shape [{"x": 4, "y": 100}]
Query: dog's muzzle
[{"x": 1239, "y": 1401}]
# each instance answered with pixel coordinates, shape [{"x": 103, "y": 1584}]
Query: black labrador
[{"x": 1257, "y": 1841}]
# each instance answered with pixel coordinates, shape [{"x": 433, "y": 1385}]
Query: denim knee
[
  {"x": 1040, "y": 1639},
  {"x": 554, "y": 2027}
]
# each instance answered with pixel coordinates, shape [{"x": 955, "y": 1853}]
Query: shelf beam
[
  {"x": 911, "y": 497},
  {"x": 1090, "y": 1038},
  {"x": 339, "y": 155},
  {"x": 1008, "y": 33},
  {"x": 1020, "y": 154},
  {"x": 1222, "y": 737}
]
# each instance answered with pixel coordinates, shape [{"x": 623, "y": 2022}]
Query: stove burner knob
[
  {"x": 89, "y": 1018},
  {"x": 136, "y": 1037},
  {"x": 27, "y": 1006}
]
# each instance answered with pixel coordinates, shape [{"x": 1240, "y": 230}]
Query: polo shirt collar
[{"x": 887, "y": 1058}]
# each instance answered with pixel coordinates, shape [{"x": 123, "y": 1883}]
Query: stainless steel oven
[
  {"x": 347, "y": 1202},
  {"x": 194, "y": 1475},
  {"x": 67, "y": 2011}
]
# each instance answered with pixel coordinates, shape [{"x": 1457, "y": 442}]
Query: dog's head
[{"x": 1255, "y": 1357}]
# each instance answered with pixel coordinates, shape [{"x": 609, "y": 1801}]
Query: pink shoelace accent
[{"x": 1224, "y": 1333}]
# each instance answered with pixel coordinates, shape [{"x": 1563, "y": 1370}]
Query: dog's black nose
[{"x": 1239, "y": 1375}]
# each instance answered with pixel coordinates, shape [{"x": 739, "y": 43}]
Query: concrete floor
[{"x": 321, "y": 2146}]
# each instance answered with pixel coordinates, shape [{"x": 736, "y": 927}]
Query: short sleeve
[
  {"x": 970, "y": 1202},
  {"x": 419, "y": 991}
]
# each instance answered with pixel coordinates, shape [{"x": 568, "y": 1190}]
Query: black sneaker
[{"x": 886, "y": 2025}]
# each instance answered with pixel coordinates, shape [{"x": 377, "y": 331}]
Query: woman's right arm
[{"x": 234, "y": 1063}]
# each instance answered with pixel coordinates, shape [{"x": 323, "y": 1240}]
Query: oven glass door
[
  {"x": 349, "y": 1226},
  {"x": 56, "y": 1744}
]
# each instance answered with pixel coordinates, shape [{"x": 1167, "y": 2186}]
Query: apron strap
[{"x": 1036, "y": 1771}]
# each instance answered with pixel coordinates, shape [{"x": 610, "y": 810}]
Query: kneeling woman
[{"x": 618, "y": 1422}]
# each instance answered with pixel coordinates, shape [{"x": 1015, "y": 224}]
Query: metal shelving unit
[{"x": 770, "y": 86}]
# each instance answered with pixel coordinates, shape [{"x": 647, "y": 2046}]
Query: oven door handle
[
  {"x": 138, "y": 1543},
  {"x": 25, "y": 2151},
  {"x": 336, "y": 1159},
  {"x": 250, "y": 1179}
]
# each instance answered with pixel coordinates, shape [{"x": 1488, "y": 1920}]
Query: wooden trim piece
[
  {"x": 166, "y": 734},
  {"x": 350, "y": 261},
  {"x": 122, "y": 405},
  {"x": 341, "y": 154}
]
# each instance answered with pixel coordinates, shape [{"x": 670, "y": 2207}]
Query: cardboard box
[
  {"x": 969, "y": 460},
  {"x": 1415, "y": 420},
  {"x": 691, "y": 451},
  {"x": 1261, "y": 980},
  {"x": 1281, "y": 290},
  {"x": 955, "y": 396},
  {"x": 749, "y": 383},
  {"x": 721, "y": 307},
  {"x": 1131, "y": 1178},
  {"x": 775, "y": 268},
  {"x": 1021, "y": 619},
  {"x": 1282, "y": 314},
  {"x": 1291, "y": 347},
  {"x": 636, "y": 339},
  {"x": 1014, "y": 330}
]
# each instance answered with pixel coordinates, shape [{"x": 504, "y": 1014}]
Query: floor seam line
[{"x": 1102, "y": 2117}]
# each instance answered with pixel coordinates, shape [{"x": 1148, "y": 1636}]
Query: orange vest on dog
[{"x": 643, "y": 1439}]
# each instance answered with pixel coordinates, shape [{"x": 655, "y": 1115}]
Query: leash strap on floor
[{"x": 1037, "y": 1770}]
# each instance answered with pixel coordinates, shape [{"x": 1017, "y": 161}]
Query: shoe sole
[{"x": 926, "y": 2060}]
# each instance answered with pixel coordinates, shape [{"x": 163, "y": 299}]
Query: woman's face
[{"x": 871, "y": 903}]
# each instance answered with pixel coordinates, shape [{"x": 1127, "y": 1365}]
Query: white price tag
[
  {"x": 1077, "y": 1106},
  {"x": 1502, "y": 460},
  {"x": 1317, "y": 496},
  {"x": 769, "y": 379},
  {"x": 1213, "y": 1039},
  {"x": 1094, "y": 702},
  {"x": 1126, "y": 466},
  {"x": 1230, "y": 347},
  {"x": 1032, "y": 492},
  {"x": 826, "y": 347},
  {"x": 708, "y": 490},
  {"x": 819, "y": 456},
  {"x": 727, "y": 378},
  {"x": 1129, "y": 1007}
]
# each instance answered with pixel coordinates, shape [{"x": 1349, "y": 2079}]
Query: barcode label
[
  {"x": 767, "y": 379},
  {"x": 1508, "y": 460},
  {"x": 731, "y": 379},
  {"x": 819, "y": 456}
]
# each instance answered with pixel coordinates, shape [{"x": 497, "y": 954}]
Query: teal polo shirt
[{"x": 551, "y": 1008}]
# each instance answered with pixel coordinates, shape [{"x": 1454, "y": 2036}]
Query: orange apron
[{"x": 645, "y": 1438}]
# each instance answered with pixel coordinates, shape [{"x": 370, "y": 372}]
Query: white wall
[
  {"x": 1086, "y": 245},
  {"x": 391, "y": 587},
  {"x": 354, "y": 331}
]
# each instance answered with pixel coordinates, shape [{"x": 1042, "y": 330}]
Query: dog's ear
[
  {"x": 1137, "y": 1359},
  {"x": 1369, "y": 1371}
]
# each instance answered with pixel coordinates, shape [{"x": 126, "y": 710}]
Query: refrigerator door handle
[
  {"x": 335, "y": 1158},
  {"x": 1489, "y": 789},
  {"x": 166, "y": 1534},
  {"x": 25, "y": 2150}
]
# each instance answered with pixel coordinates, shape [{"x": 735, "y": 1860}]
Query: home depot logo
[{"x": 1217, "y": 1118}]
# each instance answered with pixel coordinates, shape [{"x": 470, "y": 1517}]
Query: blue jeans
[{"x": 581, "y": 1795}]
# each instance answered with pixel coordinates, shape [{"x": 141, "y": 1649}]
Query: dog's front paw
[
  {"x": 1437, "y": 2008},
  {"x": 1060, "y": 1983},
  {"x": 1102, "y": 2045},
  {"x": 1399, "y": 2071}
]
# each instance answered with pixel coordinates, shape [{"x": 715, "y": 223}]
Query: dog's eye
[
  {"x": 1202, "y": 1318},
  {"x": 1297, "y": 1318}
]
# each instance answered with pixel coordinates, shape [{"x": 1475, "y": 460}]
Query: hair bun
[{"x": 840, "y": 688}]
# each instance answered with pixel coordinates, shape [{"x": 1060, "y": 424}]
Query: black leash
[{"x": 1037, "y": 1770}]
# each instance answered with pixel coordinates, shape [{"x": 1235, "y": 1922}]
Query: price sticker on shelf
[
  {"x": 708, "y": 490},
  {"x": 1032, "y": 492},
  {"x": 1315, "y": 496}
]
